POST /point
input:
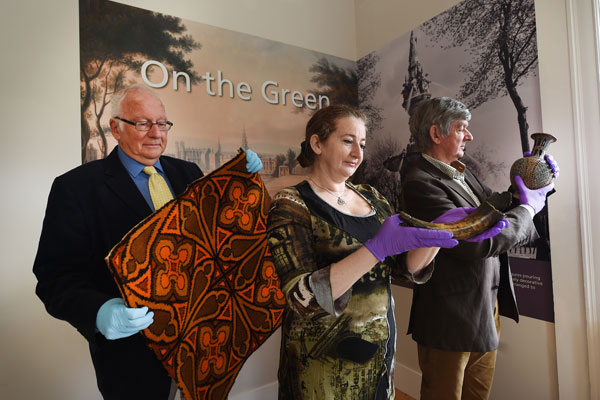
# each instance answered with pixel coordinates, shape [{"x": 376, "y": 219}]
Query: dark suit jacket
[
  {"x": 90, "y": 209},
  {"x": 454, "y": 310}
]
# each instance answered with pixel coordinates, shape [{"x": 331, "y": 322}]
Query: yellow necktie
[{"x": 159, "y": 190}]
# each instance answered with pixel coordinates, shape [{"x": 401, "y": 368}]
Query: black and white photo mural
[{"x": 484, "y": 54}]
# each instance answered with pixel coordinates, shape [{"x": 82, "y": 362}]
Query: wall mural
[
  {"x": 225, "y": 90},
  {"x": 483, "y": 54},
  {"x": 222, "y": 89}
]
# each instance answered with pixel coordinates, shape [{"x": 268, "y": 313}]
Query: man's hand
[
  {"x": 115, "y": 321},
  {"x": 456, "y": 214},
  {"x": 253, "y": 163},
  {"x": 535, "y": 198}
]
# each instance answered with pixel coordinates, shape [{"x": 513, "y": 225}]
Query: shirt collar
[
  {"x": 133, "y": 167},
  {"x": 455, "y": 170}
]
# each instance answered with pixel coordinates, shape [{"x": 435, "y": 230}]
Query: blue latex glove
[
  {"x": 456, "y": 214},
  {"x": 536, "y": 198},
  {"x": 551, "y": 162},
  {"x": 393, "y": 238},
  {"x": 253, "y": 163},
  {"x": 115, "y": 321}
]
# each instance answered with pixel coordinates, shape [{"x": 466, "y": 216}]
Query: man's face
[
  {"x": 144, "y": 147},
  {"x": 452, "y": 147}
]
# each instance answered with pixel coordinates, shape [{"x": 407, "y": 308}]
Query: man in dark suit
[
  {"x": 454, "y": 316},
  {"x": 90, "y": 209}
]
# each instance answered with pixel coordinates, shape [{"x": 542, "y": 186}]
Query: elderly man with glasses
[{"x": 90, "y": 209}]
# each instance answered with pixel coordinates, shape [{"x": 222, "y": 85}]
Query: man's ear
[
  {"x": 315, "y": 144},
  {"x": 435, "y": 134},
  {"x": 114, "y": 128}
]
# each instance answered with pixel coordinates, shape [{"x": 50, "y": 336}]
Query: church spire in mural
[
  {"x": 218, "y": 155},
  {"x": 414, "y": 90},
  {"x": 416, "y": 85},
  {"x": 244, "y": 138}
]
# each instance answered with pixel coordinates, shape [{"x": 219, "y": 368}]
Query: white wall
[
  {"x": 43, "y": 358},
  {"x": 378, "y": 22},
  {"x": 569, "y": 91}
]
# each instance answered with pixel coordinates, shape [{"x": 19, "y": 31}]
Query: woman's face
[{"x": 342, "y": 152}]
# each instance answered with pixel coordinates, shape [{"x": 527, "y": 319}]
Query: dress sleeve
[
  {"x": 307, "y": 288},
  {"x": 400, "y": 272}
]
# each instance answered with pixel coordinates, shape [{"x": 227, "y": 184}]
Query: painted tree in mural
[
  {"x": 291, "y": 160},
  {"x": 115, "y": 40},
  {"x": 352, "y": 87},
  {"x": 369, "y": 80},
  {"x": 500, "y": 38},
  {"x": 279, "y": 161},
  {"x": 337, "y": 83}
]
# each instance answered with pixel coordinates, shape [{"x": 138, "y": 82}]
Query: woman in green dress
[{"x": 331, "y": 242}]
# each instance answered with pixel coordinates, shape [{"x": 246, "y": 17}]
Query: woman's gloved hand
[
  {"x": 115, "y": 321},
  {"x": 393, "y": 238}
]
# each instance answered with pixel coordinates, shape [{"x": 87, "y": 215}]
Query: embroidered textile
[{"x": 202, "y": 264}]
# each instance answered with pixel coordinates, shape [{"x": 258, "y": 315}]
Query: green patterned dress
[{"x": 342, "y": 349}]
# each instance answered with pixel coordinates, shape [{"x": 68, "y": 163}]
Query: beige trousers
[{"x": 455, "y": 375}]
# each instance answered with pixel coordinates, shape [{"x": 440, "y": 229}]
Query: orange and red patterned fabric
[{"x": 202, "y": 264}]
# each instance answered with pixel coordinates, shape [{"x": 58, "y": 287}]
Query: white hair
[{"x": 118, "y": 97}]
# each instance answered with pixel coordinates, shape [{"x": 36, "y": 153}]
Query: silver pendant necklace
[{"x": 340, "y": 201}]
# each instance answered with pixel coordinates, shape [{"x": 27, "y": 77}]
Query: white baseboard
[
  {"x": 407, "y": 380},
  {"x": 266, "y": 392}
]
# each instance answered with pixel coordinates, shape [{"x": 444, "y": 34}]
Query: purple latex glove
[
  {"x": 536, "y": 198},
  {"x": 551, "y": 162},
  {"x": 393, "y": 238},
  {"x": 456, "y": 214}
]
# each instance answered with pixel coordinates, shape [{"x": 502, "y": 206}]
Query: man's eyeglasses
[{"x": 145, "y": 126}]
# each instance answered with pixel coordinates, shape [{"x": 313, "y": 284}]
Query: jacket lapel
[
  {"x": 121, "y": 184},
  {"x": 176, "y": 179},
  {"x": 449, "y": 182}
]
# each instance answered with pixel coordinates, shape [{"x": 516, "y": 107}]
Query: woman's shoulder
[
  {"x": 287, "y": 206},
  {"x": 376, "y": 199},
  {"x": 288, "y": 195},
  {"x": 367, "y": 190}
]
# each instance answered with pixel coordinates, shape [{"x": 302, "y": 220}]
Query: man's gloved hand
[
  {"x": 253, "y": 163},
  {"x": 393, "y": 238},
  {"x": 456, "y": 214},
  {"x": 115, "y": 321},
  {"x": 551, "y": 162},
  {"x": 535, "y": 198}
]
